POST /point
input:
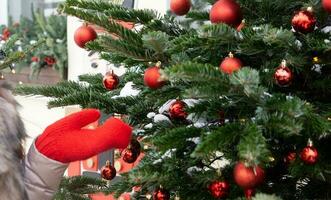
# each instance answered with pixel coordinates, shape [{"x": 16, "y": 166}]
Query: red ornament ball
[
  {"x": 108, "y": 172},
  {"x": 129, "y": 155},
  {"x": 230, "y": 64},
  {"x": 309, "y": 155},
  {"x": 110, "y": 81},
  {"x": 135, "y": 146},
  {"x": 219, "y": 189},
  {"x": 226, "y": 11},
  {"x": 248, "y": 177},
  {"x": 249, "y": 193},
  {"x": 283, "y": 75},
  {"x": 327, "y": 5},
  {"x": 152, "y": 78},
  {"x": 180, "y": 7},
  {"x": 290, "y": 157},
  {"x": 304, "y": 22},
  {"x": 177, "y": 110},
  {"x": 83, "y": 35},
  {"x": 161, "y": 194}
]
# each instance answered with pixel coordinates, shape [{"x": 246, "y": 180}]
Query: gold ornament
[{"x": 316, "y": 59}]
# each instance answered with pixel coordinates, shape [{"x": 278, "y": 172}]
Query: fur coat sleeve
[{"x": 42, "y": 175}]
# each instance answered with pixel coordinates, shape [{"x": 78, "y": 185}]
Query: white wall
[
  {"x": 3, "y": 12},
  {"x": 160, "y": 5}
]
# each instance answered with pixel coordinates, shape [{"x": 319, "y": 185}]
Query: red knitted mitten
[{"x": 65, "y": 140}]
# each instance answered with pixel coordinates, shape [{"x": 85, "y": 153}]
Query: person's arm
[{"x": 65, "y": 141}]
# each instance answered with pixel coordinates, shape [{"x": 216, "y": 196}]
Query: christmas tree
[{"x": 232, "y": 99}]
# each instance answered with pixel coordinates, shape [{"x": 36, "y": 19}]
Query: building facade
[{"x": 15, "y": 9}]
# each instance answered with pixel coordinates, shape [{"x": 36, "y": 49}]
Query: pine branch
[{"x": 111, "y": 10}]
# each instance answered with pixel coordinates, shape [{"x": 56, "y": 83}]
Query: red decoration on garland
[
  {"x": 283, "y": 75},
  {"x": 152, "y": 77},
  {"x": 129, "y": 155},
  {"x": 50, "y": 60},
  {"x": 177, "y": 110},
  {"x": 5, "y": 34},
  {"x": 230, "y": 64},
  {"x": 219, "y": 189},
  {"x": 309, "y": 154},
  {"x": 327, "y": 5},
  {"x": 249, "y": 193},
  {"x": 248, "y": 177},
  {"x": 83, "y": 35},
  {"x": 110, "y": 80},
  {"x": 180, "y": 7},
  {"x": 161, "y": 194},
  {"x": 108, "y": 172},
  {"x": 304, "y": 21},
  {"x": 34, "y": 59},
  {"x": 226, "y": 11}
]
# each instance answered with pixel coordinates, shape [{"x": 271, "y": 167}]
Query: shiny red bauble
[
  {"x": 230, "y": 64},
  {"x": 219, "y": 189},
  {"x": 309, "y": 155},
  {"x": 304, "y": 21},
  {"x": 327, "y": 5},
  {"x": 129, "y": 155},
  {"x": 248, "y": 177},
  {"x": 135, "y": 146},
  {"x": 152, "y": 78},
  {"x": 177, "y": 110},
  {"x": 226, "y": 11},
  {"x": 283, "y": 76},
  {"x": 110, "y": 81},
  {"x": 84, "y": 34},
  {"x": 180, "y": 7},
  {"x": 108, "y": 172},
  {"x": 161, "y": 194}
]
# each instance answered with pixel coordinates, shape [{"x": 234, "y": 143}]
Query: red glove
[{"x": 66, "y": 141}]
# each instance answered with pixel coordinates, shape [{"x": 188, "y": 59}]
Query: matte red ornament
[
  {"x": 161, "y": 194},
  {"x": 248, "y": 177},
  {"x": 226, "y": 11},
  {"x": 110, "y": 80},
  {"x": 180, "y": 7},
  {"x": 177, "y": 110},
  {"x": 152, "y": 78},
  {"x": 230, "y": 64},
  {"x": 309, "y": 154},
  {"x": 108, "y": 172},
  {"x": 83, "y": 35},
  {"x": 219, "y": 189},
  {"x": 249, "y": 193},
  {"x": 304, "y": 21},
  {"x": 283, "y": 75},
  {"x": 129, "y": 155},
  {"x": 327, "y": 5}
]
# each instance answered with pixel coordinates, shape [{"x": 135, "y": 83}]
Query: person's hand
[{"x": 66, "y": 140}]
